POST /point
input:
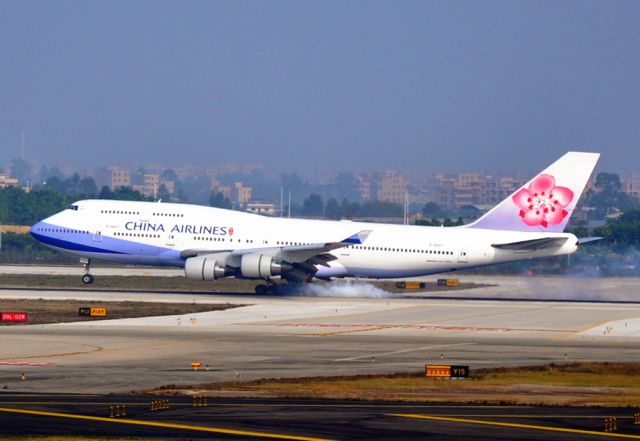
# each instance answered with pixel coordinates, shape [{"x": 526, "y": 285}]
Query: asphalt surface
[
  {"x": 352, "y": 329},
  {"x": 231, "y": 419},
  {"x": 349, "y": 329}
]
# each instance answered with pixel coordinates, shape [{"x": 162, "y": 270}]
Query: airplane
[{"x": 213, "y": 243}]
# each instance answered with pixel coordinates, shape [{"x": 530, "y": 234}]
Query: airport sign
[
  {"x": 14, "y": 316},
  {"x": 92, "y": 312},
  {"x": 98, "y": 312},
  {"x": 446, "y": 371}
]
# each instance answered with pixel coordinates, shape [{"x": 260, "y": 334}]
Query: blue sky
[{"x": 344, "y": 85}]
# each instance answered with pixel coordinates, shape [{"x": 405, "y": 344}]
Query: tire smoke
[{"x": 335, "y": 289}]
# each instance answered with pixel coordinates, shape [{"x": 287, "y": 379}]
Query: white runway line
[{"x": 402, "y": 351}]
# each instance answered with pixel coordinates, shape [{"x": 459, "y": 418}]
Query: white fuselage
[{"x": 149, "y": 233}]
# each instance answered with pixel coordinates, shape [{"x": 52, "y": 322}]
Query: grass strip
[
  {"x": 571, "y": 384},
  {"x": 63, "y": 311}
]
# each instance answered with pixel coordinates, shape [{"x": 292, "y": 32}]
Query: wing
[
  {"x": 531, "y": 245},
  {"x": 300, "y": 260}
]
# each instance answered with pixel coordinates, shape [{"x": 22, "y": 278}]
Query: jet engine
[
  {"x": 262, "y": 266},
  {"x": 206, "y": 268}
]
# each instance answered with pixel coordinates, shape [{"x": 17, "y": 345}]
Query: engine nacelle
[
  {"x": 205, "y": 268},
  {"x": 261, "y": 266}
]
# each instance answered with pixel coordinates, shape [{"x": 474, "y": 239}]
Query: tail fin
[{"x": 546, "y": 202}]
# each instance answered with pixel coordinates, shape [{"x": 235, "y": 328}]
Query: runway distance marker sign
[{"x": 14, "y": 316}]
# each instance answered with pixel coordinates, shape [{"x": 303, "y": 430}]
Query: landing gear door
[{"x": 462, "y": 256}]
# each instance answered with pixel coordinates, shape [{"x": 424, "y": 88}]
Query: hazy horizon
[{"x": 317, "y": 87}]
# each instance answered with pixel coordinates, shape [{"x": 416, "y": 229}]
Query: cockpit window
[{"x": 72, "y": 207}]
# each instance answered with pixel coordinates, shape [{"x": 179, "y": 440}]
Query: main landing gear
[
  {"x": 262, "y": 290},
  {"x": 87, "y": 278}
]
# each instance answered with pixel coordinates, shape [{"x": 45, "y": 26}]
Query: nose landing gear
[{"x": 87, "y": 278}]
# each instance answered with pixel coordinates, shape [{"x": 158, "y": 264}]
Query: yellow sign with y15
[{"x": 446, "y": 371}]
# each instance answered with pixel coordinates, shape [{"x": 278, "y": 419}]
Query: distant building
[
  {"x": 240, "y": 194},
  {"x": 631, "y": 185},
  {"x": 264, "y": 208},
  {"x": 393, "y": 188},
  {"x": 120, "y": 177},
  {"x": 216, "y": 187},
  {"x": 365, "y": 187},
  {"x": 237, "y": 193},
  {"x": 444, "y": 192},
  {"x": 6, "y": 181},
  {"x": 151, "y": 185},
  {"x": 169, "y": 185},
  {"x": 453, "y": 192}
]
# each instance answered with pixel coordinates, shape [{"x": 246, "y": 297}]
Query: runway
[
  {"x": 295, "y": 336},
  {"x": 308, "y": 420}
]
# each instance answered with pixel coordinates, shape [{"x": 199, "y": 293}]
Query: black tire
[
  {"x": 87, "y": 279},
  {"x": 261, "y": 289}
]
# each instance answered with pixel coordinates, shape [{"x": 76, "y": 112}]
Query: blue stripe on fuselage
[
  {"x": 85, "y": 243},
  {"x": 70, "y": 246}
]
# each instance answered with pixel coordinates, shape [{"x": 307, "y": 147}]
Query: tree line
[{"x": 20, "y": 207}]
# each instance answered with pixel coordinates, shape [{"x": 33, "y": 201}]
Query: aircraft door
[
  {"x": 462, "y": 256},
  {"x": 97, "y": 236}
]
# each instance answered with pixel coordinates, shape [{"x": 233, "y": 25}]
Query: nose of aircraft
[{"x": 34, "y": 229}]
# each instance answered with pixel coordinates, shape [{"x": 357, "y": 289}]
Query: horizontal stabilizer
[
  {"x": 583, "y": 240},
  {"x": 531, "y": 245}
]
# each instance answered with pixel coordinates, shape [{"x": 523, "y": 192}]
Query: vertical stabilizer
[{"x": 546, "y": 202}]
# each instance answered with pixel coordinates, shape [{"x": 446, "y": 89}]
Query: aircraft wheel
[
  {"x": 261, "y": 289},
  {"x": 87, "y": 279}
]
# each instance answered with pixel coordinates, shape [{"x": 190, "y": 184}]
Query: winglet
[
  {"x": 357, "y": 238},
  {"x": 583, "y": 240}
]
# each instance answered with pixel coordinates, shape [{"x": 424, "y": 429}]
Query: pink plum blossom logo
[{"x": 543, "y": 203}]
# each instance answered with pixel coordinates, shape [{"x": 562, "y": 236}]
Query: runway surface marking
[
  {"x": 402, "y": 351},
  {"x": 25, "y": 363},
  {"x": 221, "y": 430},
  {"x": 351, "y": 331},
  {"x": 597, "y": 325},
  {"x": 367, "y": 327},
  {"x": 64, "y": 354},
  {"x": 514, "y": 425}
]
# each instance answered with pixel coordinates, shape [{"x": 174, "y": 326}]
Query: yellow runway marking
[
  {"x": 404, "y": 351},
  {"x": 352, "y": 331},
  {"x": 513, "y": 425},
  {"x": 580, "y": 331},
  {"x": 165, "y": 425},
  {"x": 511, "y": 415}
]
